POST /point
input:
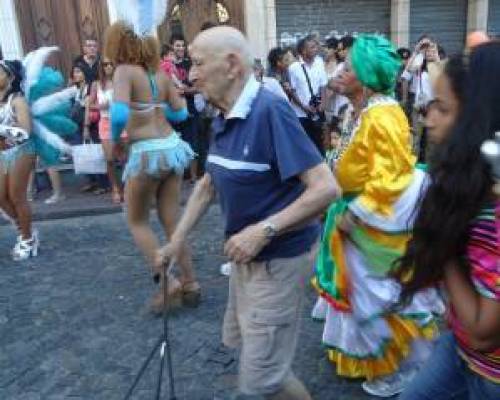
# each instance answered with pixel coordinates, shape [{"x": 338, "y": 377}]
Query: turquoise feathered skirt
[
  {"x": 9, "y": 157},
  {"x": 156, "y": 157}
]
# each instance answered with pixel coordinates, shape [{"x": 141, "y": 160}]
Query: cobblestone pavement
[
  {"x": 76, "y": 204},
  {"x": 73, "y": 322}
]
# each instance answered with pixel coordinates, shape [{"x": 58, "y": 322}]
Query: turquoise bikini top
[{"x": 120, "y": 111}]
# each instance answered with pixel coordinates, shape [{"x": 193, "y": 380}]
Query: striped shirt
[{"x": 483, "y": 255}]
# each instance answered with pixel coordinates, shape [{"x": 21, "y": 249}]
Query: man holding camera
[
  {"x": 308, "y": 80},
  {"x": 420, "y": 69}
]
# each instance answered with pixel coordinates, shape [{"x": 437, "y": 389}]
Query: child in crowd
[
  {"x": 342, "y": 114},
  {"x": 331, "y": 137},
  {"x": 167, "y": 64}
]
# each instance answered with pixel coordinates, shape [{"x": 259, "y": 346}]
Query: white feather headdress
[
  {"x": 33, "y": 64},
  {"x": 51, "y": 102},
  {"x": 143, "y": 15},
  {"x": 50, "y": 137}
]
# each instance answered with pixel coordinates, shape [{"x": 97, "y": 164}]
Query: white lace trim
[
  {"x": 374, "y": 101},
  {"x": 379, "y": 100}
]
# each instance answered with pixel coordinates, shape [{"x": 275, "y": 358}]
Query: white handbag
[{"x": 88, "y": 158}]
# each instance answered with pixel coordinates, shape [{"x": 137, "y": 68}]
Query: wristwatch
[{"x": 270, "y": 229}]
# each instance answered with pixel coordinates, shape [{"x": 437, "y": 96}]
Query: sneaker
[
  {"x": 25, "y": 249},
  {"x": 55, "y": 198},
  {"x": 386, "y": 386},
  {"x": 225, "y": 269}
]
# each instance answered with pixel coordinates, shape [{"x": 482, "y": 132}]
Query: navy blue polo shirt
[{"x": 256, "y": 154}]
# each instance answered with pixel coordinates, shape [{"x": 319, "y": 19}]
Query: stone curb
[
  {"x": 72, "y": 213},
  {"x": 48, "y": 215}
]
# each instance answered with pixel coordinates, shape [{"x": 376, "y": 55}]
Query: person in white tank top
[{"x": 101, "y": 96}]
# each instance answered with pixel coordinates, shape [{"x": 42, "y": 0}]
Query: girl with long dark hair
[{"x": 456, "y": 238}]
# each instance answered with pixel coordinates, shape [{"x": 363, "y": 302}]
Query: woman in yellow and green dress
[{"x": 366, "y": 231}]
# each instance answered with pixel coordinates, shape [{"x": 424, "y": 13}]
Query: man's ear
[{"x": 234, "y": 65}]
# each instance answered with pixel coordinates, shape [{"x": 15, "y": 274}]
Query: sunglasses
[{"x": 107, "y": 64}]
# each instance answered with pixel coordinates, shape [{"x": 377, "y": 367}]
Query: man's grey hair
[{"x": 230, "y": 40}]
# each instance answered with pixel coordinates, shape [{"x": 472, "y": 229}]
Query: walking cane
[{"x": 163, "y": 344}]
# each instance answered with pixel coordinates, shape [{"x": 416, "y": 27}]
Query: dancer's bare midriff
[
  {"x": 142, "y": 126},
  {"x": 147, "y": 120}
]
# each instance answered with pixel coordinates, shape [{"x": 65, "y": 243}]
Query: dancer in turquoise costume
[
  {"x": 32, "y": 108},
  {"x": 146, "y": 102}
]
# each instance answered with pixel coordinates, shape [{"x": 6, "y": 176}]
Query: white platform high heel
[{"x": 26, "y": 248}]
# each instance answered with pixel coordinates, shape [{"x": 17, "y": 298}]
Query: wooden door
[
  {"x": 64, "y": 23},
  {"x": 187, "y": 17}
]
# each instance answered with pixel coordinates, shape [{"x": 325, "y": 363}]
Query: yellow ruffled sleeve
[{"x": 378, "y": 164}]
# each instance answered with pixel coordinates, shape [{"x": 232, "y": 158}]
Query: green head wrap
[{"x": 376, "y": 63}]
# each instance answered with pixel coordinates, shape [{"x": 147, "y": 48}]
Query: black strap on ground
[
  {"x": 166, "y": 342},
  {"x": 163, "y": 344}
]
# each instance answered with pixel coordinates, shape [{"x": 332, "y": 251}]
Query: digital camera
[{"x": 315, "y": 101}]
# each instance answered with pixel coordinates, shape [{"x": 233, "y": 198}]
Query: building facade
[
  {"x": 493, "y": 18},
  {"x": 267, "y": 23},
  {"x": 283, "y": 22},
  {"x": 29, "y": 24}
]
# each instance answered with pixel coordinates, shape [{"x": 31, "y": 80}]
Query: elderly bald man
[{"x": 272, "y": 184}]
